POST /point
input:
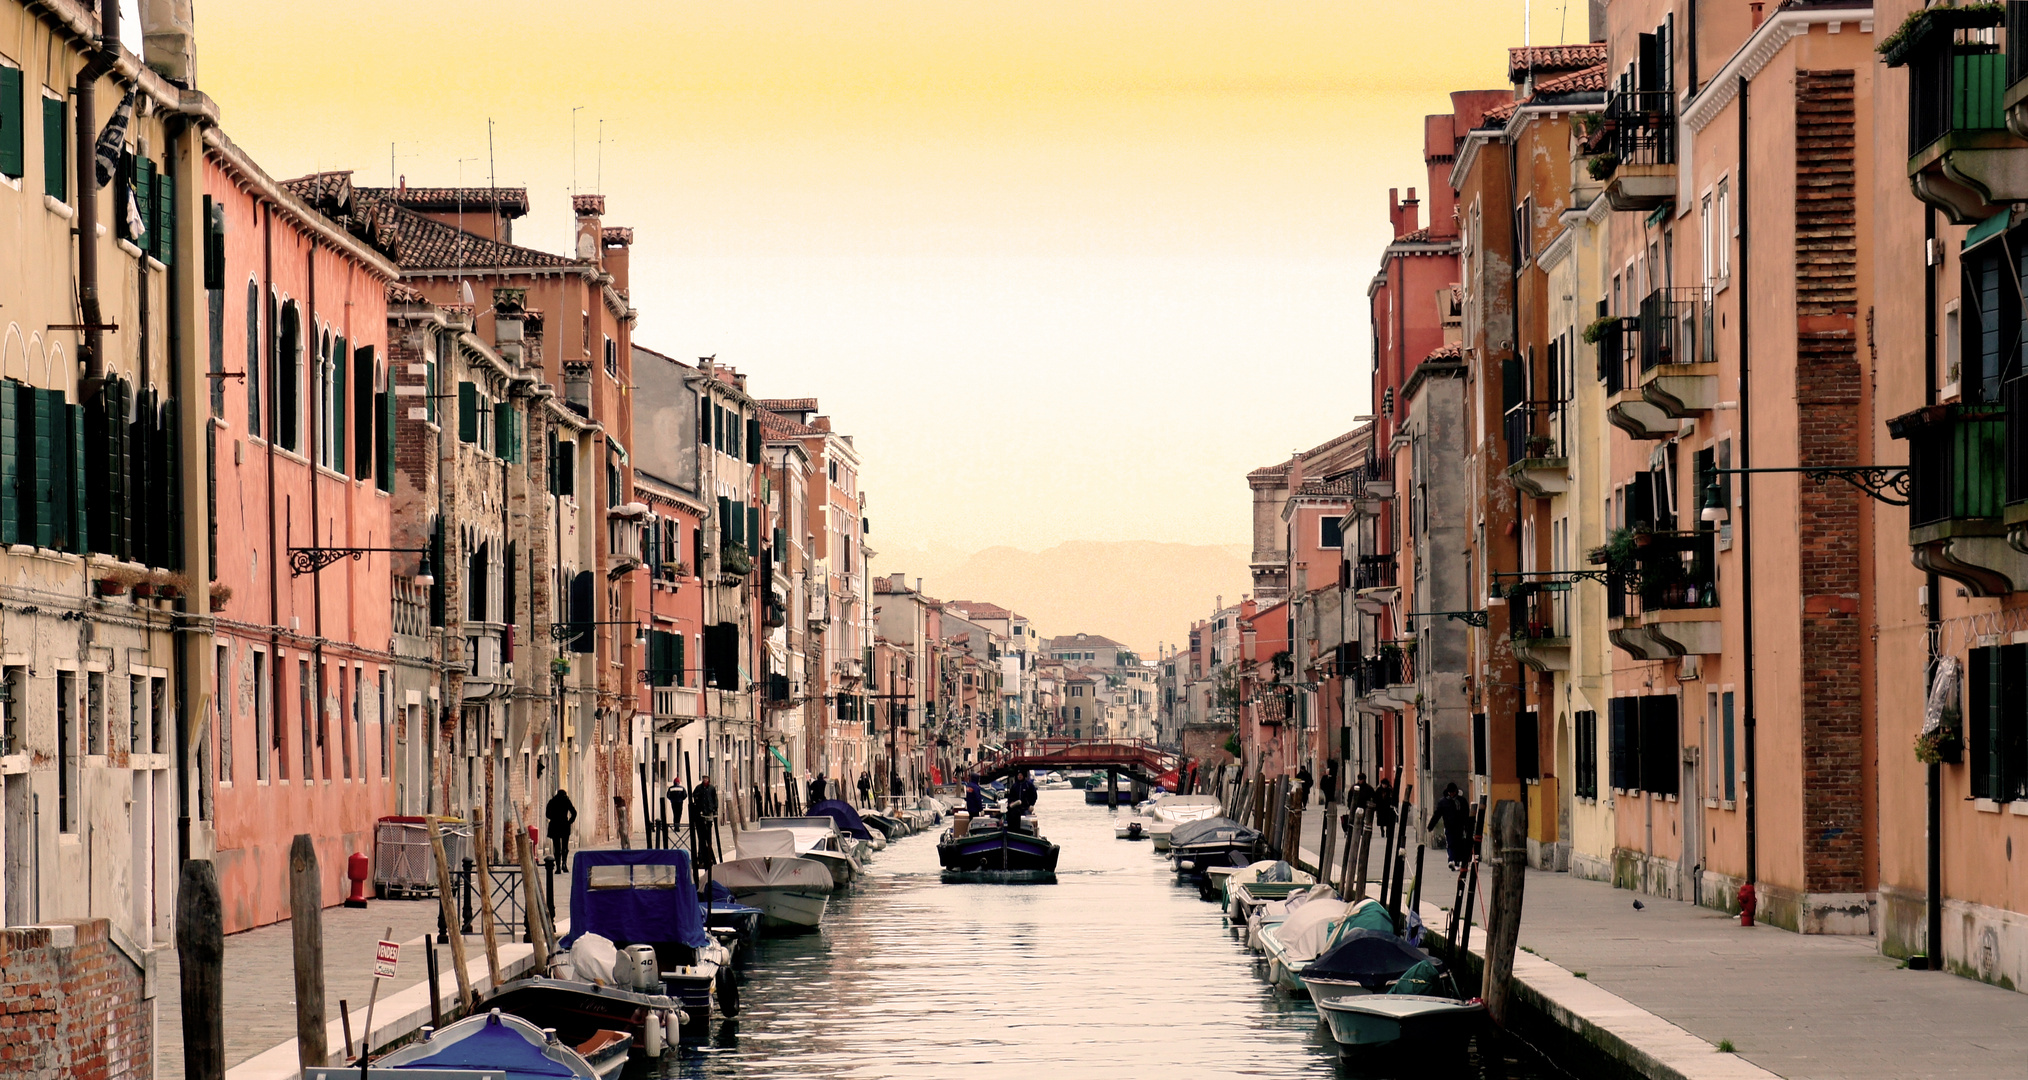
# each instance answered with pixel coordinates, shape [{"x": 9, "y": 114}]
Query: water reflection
[{"x": 1114, "y": 971}]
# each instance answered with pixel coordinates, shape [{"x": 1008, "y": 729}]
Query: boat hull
[
  {"x": 1383, "y": 1020},
  {"x": 1325, "y": 991},
  {"x": 580, "y": 1010},
  {"x": 785, "y": 908},
  {"x": 996, "y": 850}
]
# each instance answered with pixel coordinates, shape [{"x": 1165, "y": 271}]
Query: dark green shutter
[
  {"x": 363, "y": 412},
  {"x": 338, "y": 395},
  {"x": 384, "y": 424},
  {"x": 54, "y": 141},
  {"x": 503, "y": 431},
  {"x": 468, "y": 412},
  {"x": 753, "y": 442},
  {"x": 163, "y": 235},
  {"x": 724, "y": 522},
  {"x": 10, "y": 464},
  {"x": 214, "y": 244},
  {"x": 437, "y": 590},
  {"x": 211, "y": 496},
  {"x": 676, "y": 655},
  {"x": 41, "y": 455},
  {"x": 288, "y": 371},
  {"x": 1995, "y": 737},
  {"x": 753, "y": 530},
  {"x": 68, "y": 473},
  {"x": 142, "y": 184},
  {"x": 12, "y": 121}
]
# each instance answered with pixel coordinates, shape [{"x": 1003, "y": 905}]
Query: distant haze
[{"x": 1134, "y": 591}]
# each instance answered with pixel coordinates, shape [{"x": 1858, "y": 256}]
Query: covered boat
[
  {"x": 1360, "y": 961},
  {"x": 1293, "y": 943},
  {"x": 494, "y": 1046},
  {"x": 849, "y": 821},
  {"x": 990, "y": 851},
  {"x": 1177, "y": 810},
  {"x": 790, "y": 890},
  {"x": 1215, "y": 841},
  {"x": 818, "y": 838},
  {"x": 1370, "y": 1021}
]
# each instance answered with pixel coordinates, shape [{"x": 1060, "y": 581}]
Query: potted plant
[
  {"x": 115, "y": 581},
  {"x": 169, "y": 584},
  {"x": 1944, "y": 745},
  {"x": 143, "y": 586},
  {"x": 559, "y": 666},
  {"x": 1603, "y": 166},
  {"x": 1541, "y": 446},
  {"x": 1599, "y": 327},
  {"x": 221, "y": 594}
]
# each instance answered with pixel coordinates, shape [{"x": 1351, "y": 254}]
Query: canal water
[{"x": 1115, "y": 971}]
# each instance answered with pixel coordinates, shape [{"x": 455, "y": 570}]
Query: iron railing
[
  {"x": 502, "y": 890},
  {"x": 1539, "y": 611},
  {"x": 1957, "y": 80},
  {"x": 1642, "y": 126},
  {"x": 1957, "y": 462},
  {"x": 1374, "y": 572},
  {"x": 1612, "y": 358},
  {"x": 1535, "y": 431},
  {"x": 1675, "y": 328}
]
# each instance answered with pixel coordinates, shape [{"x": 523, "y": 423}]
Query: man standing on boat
[
  {"x": 1021, "y": 796},
  {"x": 562, "y": 814},
  {"x": 975, "y": 800}
]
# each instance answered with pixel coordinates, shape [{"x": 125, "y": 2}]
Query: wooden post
[
  {"x": 1503, "y": 921},
  {"x": 306, "y": 915},
  {"x": 345, "y": 1023},
  {"x": 1325, "y": 846},
  {"x": 1363, "y": 860},
  {"x": 482, "y": 837},
  {"x": 1403, "y": 822},
  {"x": 200, "y": 957},
  {"x": 450, "y": 910},
  {"x": 531, "y": 903}
]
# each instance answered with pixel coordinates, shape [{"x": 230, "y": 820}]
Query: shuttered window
[
  {"x": 1997, "y": 722},
  {"x": 725, "y": 525},
  {"x": 753, "y": 442},
  {"x": 42, "y": 457},
  {"x": 10, "y": 462},
  {"x": 255, "y": 405},
  {"x": 11, "y": 122},
  {"x": 55, "y": 140},
  {"x": 162, "y": 226},
  {"x": 288, "y": 377},
  {"x": 1661, "y": 773},
  {"x": 1584, "y": 751},
  {"x": 383, "y": 430},
  {"x": 336, "y": 411},
  {"x": 468, "y": 412},
  {"x": 363, "y": 413},
  {"x": 665, "y": 658},
  {"x": 1624, "y": 743},
  {"x": 1527, "y": 747}
]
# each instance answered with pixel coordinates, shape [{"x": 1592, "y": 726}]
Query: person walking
[
  {"x": 865, "y": 787},
  {"x": 1457, "y": 823},
  {"x": 677, "y": 795},
  {"x": 1331, "y": 782},
  {"x": 894, "y": 788},
  {"x": 620, "y": 823},
  {"x": 1384, "y": 803},
  {"x": 562, "y": 814},
  {"x": 703, "y": 821},
  {"x": 816, "y": 788},
  {"x": 1303, "y": 778}
]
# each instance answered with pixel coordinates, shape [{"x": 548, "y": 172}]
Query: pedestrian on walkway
[
  {"x": 1384, "y": 803},
  {"x": 894, "y": 788},
  {"x": 562, "y": 814},
  {"x": 1331, "y": 782},
  {"x": 1304, "y": 778},
  {"x": 703, "y": 819},
  {"x": 620, "y": 823},
  {"x": 816, "y": 789},
  {"x": 1457, "y": 823},
  {"x": 865, "y": 787},
  {"x": 676, "y": 795}
]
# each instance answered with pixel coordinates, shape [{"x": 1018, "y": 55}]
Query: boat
[
  {"x": 1274, "y": 912},
  {"x": 1133, "y": 828},
  {"x": 849, "y": 822},
  {"x": 1373, "y": 1021},
  {"x": 986, "y": 850},
  {"x": 1178, "y": 810},
  {"x": 493, "y": 1046},
  {"x": 1197, "y": 846},
  {"x": 1360, "y": 961},
  {"x": 735, "y": 925},
  {"x": 1122, "y": 793},
  {"x": 789, "y": 890},
  {"x": 1247, "y": 887},
  {"x": 1292, "y": 943},
  {"x": 818, "y": 839},
  {"x": 1050, "y": 781},
  {"x": 638, "y": 954}
]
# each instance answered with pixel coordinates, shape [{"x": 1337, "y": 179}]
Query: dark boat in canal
[
  {"x": 989, "y": 851},
  {"x": 1197, "y": 846}
]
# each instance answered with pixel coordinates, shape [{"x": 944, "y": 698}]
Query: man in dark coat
[
  {"x": 816, "y": 788},
  {"x": 562, "y": 814},
  {"x": 703, "y": 818},
  {"x": 1457, "y": 823},
  {"x": 1384, "y": 803},
  {"x": 677, "y": 795},
  {"x": 1331, "y": 782},
  {"x": 1306, "y": 780},
  {"x": 865, "y": 787}
]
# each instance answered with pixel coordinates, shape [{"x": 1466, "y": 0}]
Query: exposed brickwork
[
  {"x": 71, "y": 1011},
  {"x": 1827, "y": 426}
]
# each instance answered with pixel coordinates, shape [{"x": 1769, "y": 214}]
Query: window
[
  {"x": 137, "y": 714},
  {"x": 95, "y": 713},
  {"x": 159, "y": 741},
  {"x": 13, "y": 709},
  {"x": 12, "y": 158},
  {"x": 366, "y": 422},
  {"x": 1713, "y": 752},
  {"x": 306, "y": 712},
  {"x": 1644, "y": 744},
  {"x": 1331, "y": 532},
  {"x": 468, "y": 412},
  {"x": 1524, "y": 232},
  {"x": 263, "y": 720},
  {"x": 383, "y": 715},
  {"x": 214, "y": 300},
  {"x": 1989, "y": 333},
  {"x": 55, "y": 142},
  {"x": 1584, "y": 751},
  {"x": 566, "y": 468},
  {"x": 1721, "y": 210},
  {"x": 66, "y": 751},
  {"x": 1731, "y": 769},
  {"x": 1527, "y": 746},
  {"x": 222, "y": 693},
  {"x": 1481, "y": 765},
  {"x": 612, "y": 351},
  {"x": 253, "y": 358},
  {"x": 1996, "y": 722},
  {"x": 288, "y": 378},
  {"x": 475, "y": 584}
]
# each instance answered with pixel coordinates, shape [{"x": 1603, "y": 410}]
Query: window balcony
[
  {"x": 1536, "y": 448},
  {"x": 1677, "y": 353},
  {"x": 1374, "y": 585},
  {"x": 1387, "y": 679},
  {"x": 1634, "y": 149},
  {"x": 1963, "y": 157},
  {"x": 1668, "y": 608},
  {"x": 1538, "y": 614},
  {"x": 1957, "y": 495},
  {"x": 1619, "y": 367}
]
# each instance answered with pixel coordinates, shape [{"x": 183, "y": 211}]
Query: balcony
[
  {"x": 1957, "y": 495},
  {"x": 1539, "y": 623},
  {"x": 1634, "y": 149},
  {"x": 1619, "y": 367},
  {"x": 1963, "y": 157},
  {"x": 1666, "y": 604},
  {"x": 1535, "y": 448},
  {"x": 1387, "y": 679},
  {"x": 1677, "y": 354},
  {"x": 2014, "y": 396},
  {"x": 1374, "y": 585}
]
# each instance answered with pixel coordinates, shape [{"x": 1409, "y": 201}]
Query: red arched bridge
[{"x": 1137, "y": 759}]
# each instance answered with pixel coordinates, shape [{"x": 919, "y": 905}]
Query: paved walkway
[
  {"x": 1805, "y": 1007},
  {"x": 260, "y": 975}
]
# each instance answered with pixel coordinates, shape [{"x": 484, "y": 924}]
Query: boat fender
[
  {"x": 653, "y": 1041},
  {"x": 1187, "y": 864}
]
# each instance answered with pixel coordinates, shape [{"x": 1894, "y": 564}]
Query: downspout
[
  {"x": 315, "y": 382},
  {"x": 1933, "y": 900},
  {"x": 85, "y": 116},
  {"x": 1746, "y": 511},
  {"x": 271, "y": 338},
  {"x": 1690, "y": 51}
]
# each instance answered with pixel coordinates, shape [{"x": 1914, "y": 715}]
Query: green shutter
[
  {"x": 41, "y": 454},
  {"x": 54, "y": 141},
  {"x": 676, "y": 656},
  {"x": 11, "y": 121},
  {"x": 10, "y": 465},
  {"x": 66, "y": 474},
  {"x": 753, "y": 442},
  {"x": 363, "y": 413},
  {"x": 468, "y": 412},
  {"x": 753, "y": 530},
  {"x": 339, "y": 427},
  {"x": 142, "y": 184},
  {"x": 383, "y": 430},
  {"x": 724, "y": 522},
  {"x": 503, "y": 431},
  {"x": 163, "y": 237}
]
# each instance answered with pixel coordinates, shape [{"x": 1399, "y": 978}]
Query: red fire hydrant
[
  {"x": 356, "y": 872},
  {"x": 1746, "y": 904}
]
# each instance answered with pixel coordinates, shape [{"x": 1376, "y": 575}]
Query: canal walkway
[{"x": 1799, "y": 1006}]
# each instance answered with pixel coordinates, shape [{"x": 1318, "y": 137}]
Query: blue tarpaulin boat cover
[
  {"x": 1371, "y": 958},
  {"x": 495, "y": 1048},
  {"x": 846, "y": 817},
  {"x": 636, "y": 916}
]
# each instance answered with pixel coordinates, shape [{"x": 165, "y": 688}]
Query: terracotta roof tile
[
  {"x": 617, "y": 235},
  {"x": 779, "y": 426},
  {"x": 1551, "y": 58},
  {"x": 589, "y": 205},
  {"x": 1453, "y": 351},
  {"x": 423, "y": 243},
  {"x": 788, "y": 405},
  {"x": 1501, "y": 113},
  {"x": 511, "y": 202},
  {"x": 1591, "y": 78}
]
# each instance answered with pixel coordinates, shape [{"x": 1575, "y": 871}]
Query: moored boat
[
  {"x": 494, "y": 1046},
  {"x": 790, "y": 890},
  {"x": 1360, "y": 961},
  {"x": 1096, "y": 791},
  {"x": 987, "y": 850},
  {"x": 818, "y": 839},
  {"x": 1198, "y": 846},
  {"x": 1372, "y": 1021}
]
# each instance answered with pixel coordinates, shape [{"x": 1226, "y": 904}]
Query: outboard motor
[{"x": 638, "y": 970}]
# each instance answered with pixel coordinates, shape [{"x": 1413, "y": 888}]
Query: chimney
[
  {"x": 1411, "y": 214},
  {"x": 507, "y": 325},
  {"x": 590, "y": 241},
  {"x": 619, "y": 243},
  {"x": 168, "y": 40}
]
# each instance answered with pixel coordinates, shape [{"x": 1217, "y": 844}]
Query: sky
[{"x": 1065, "y": 269}]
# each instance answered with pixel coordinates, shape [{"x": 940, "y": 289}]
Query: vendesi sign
[{"x": 385, "y": 955}]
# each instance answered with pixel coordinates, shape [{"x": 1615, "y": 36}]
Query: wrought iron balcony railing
[
  {"x": 1374, "y": 572},
  {"x": 1675, "y": 327}
]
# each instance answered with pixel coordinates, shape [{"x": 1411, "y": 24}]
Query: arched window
[{"x": 288, "y": 379}]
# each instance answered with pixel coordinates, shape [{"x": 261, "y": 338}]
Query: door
[{"x": 1690, "y": 867}]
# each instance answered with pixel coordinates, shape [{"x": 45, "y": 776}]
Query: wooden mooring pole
[
  {"x": 200, "y": 959},
  {"x": 449, "y": 906},
  {"x": 1503, "y": 921},
  {"x": 1359, "y": 848},
  {"x": 306, "y": 927},
  {"x": 482, "y": 837}
]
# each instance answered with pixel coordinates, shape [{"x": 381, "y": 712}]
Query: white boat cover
[
  {"x": 755, "y": 843},
  {"x": 769, "y": 872},
  {"x": 1182, "y": 808},
  {"x": 1306, "y": 933}
]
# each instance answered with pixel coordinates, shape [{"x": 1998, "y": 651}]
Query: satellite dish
[{"x": 465, "y": 292}]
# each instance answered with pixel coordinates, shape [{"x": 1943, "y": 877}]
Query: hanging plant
[
  {"x": 1599, "y": 327},
  {"x": 1943, "y": 746},
  {"x": 221, "y": 594},
  {"x": 1602, "y": 166}
]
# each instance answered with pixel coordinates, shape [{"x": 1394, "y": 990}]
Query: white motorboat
[
  {"x": 1134, "y": 828},
  {"x": 818, "y": 839},
  {"x": 789, "y": 889},
  {"x": 1177, "y": 810}
]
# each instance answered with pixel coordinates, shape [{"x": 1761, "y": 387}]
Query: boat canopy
[
  {"x": 847, "y": 818},
  {"x": 635, "y": 898},
  {"x": 759, "y": 843},
  {"x": 1308, "y": 929},
  {"x": 774, "y": 872},
  {"x": 1212, "y": 830},
  {"x": 496, "y": 1048},
  {"x": 1368, "y": 957}
]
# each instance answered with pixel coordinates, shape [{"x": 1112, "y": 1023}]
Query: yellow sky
[{"x": 1065, "y": 268}]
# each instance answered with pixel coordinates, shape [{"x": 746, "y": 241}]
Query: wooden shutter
[
  {"x": 11, "y": 122},
  {"x": 214, "y": 244},
  {"x": 582, "y": 598},
  {"x": 724, "y": 522},
  {"x": 753, "y": 442},
  {"x": 1660, "y": 772},
  {"x": 67, "y": 474},
  {"x": 339, "y": 427},
  {"x": 468, "y": 412},
  {"x": 1527, "y": 748},
  {"x": 363, "y": 413},
  {"x": 162, "y": 234},
  {"x": 753, "y": 532},
  {"x": 1980, "y": 695},
  {"x": 288, "y": 377},
  {"x": 676, "y": 656},
  {"x": 54, "y": 141},
  {"x": 2012, "y": 741},
  {"x": 40, "y": 450},
  {"x": 384, "y": 427},
  {"x": 10, "y": 463}
]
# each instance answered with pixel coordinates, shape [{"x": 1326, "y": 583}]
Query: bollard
[
  {"x": 306, "y": 930},
  {"x": 200, "y": 954},
  {"x": 465, "y": 897},
  {"x": 1503, "y": 922}
]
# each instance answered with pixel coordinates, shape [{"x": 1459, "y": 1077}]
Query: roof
[
  {"x": 1280, "y": 469},
  {"x": 589, "y": 205},
  {"x": 423, "y": 243},
  {"x": 979, "y": 609},
  {"x": 1346, "y": 484},
  {"x": 508, "y": 202},
  {"x": 776, "y": 425},
  {"x": 1076, "y": 641},
  {"x": 1538, "y": 59},
  {"x": 1591, "y": 78},
  {"x": 794, "y": 404},
  {"x": 1452, "y": 351}
]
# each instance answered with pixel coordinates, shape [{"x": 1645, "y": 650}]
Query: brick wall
[
  {"x": 71, "y": 1006},
  {"x": 1827, "y": 433}
]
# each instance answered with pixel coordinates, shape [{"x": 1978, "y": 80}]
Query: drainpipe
[
  {"x": 271, "y": 338},
  {"x": 104, "y": 56},
  {"x": 1746, "y": 515},
  {"x": 1933, "y": 899}
]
